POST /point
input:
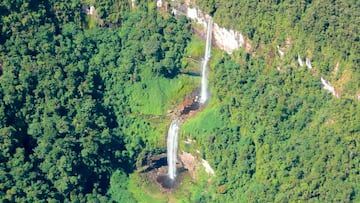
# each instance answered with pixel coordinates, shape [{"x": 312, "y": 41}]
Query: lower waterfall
[{"x": 172, "y": 145}]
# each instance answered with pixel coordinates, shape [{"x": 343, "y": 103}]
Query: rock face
[
  {"x": 159, "y": 3},
  {"x": 228, "y": 40},
  {"x": 190, "y": 104},
  {"x": 207, "y": 166},
  {"x": 89, "y": 10},
  {"x": 192, "y": 164},
  {"x": 281, "y": 53},
  {"x": 329, "y": 88},
  {"x": 308, "y": 63},
  {"x": 92, "y": 10},
  {"x": 187, "y": 108},
  {"x": 189, "y": 162},
  {"x": 300, "y": 61}
]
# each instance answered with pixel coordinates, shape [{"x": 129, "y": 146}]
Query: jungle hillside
[{"x": 86, "y": 89}]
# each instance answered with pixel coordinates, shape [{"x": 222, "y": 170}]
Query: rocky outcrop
[
  {"x": 190, "y": 163},
  {"x": 187, "y": 108},
  {"x": 228, "y": 40},
  {"x": 207, "y": 166},
  {"x": 300, "y": 61},
  {"x": 89, "y": 10},
  {"x": 328, "y": 87},
  {"x": 281, "y": 53},
  {"x": 159, "y": 3},
  {"x": 308, "y": 63}
]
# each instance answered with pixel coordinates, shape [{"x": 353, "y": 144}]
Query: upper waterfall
[{"x": 204, "y": 91}]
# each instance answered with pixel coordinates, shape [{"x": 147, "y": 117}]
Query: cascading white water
[
  {"x": 172, "y": 145},
  {"x": 172, "y": 139},
  {"x": 204, "y": 91}
]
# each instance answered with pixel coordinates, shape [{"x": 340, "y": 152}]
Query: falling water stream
[
  {"x": 172, "y": 139},
  {"x": 204, "y": 90},
  {"x": 172, "y": 145}
]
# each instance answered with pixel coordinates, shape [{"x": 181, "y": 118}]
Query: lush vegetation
[
  {"x": 325, "y": 32},
  {"x": 74, "y": 106},
  {"x": 83, "y": 100},
  {"x": 276, "y": 135}
]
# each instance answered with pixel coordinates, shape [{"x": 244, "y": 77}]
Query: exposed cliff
[{"x": 228, "y": 40}]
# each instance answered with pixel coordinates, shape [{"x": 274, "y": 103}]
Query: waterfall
[
  {"x": 172, "y": 139},
  {"x": 172, "y": 145},
  {"x": 204, "y": 91}
]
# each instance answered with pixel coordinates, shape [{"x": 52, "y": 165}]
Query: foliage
[
  {"x": 69, "y": 130},
  {"x": 81, "y": 103},
  {"x": 118, "y": 188},
  {"x": 282, "y": 137},
  {"x": 325, "y": 32}
]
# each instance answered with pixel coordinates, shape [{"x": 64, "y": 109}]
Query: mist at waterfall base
[
  {"x": 168, "y": 181},
  {"x": 204, "y": 83}
]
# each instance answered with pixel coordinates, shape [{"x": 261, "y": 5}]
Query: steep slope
[
  {"x": 282, "y": 137},
  {"x": 324, "y": 32}
]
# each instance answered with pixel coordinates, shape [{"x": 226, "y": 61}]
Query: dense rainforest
[
  {"x": 276, "y": 135},
  {"x": 325, "y": 32},
  {"x": 84, "y": 100},
  {"x": 69, "y": 96}
]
